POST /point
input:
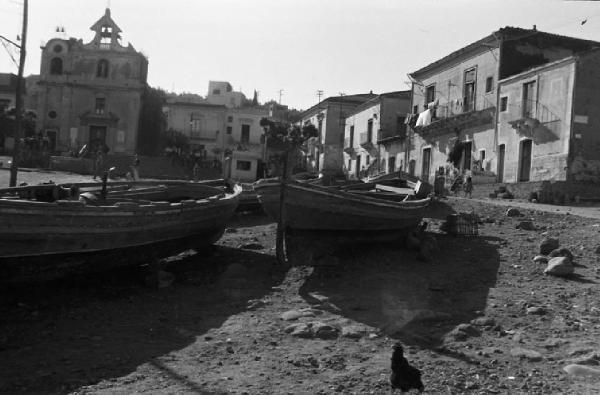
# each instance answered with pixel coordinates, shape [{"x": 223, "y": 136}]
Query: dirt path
[
  {"x": 591, "y": 211},
  {"x": 479, "y": 318}
]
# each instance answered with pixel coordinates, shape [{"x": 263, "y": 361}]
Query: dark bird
[
  {"x": 583, "y": 21},
  {"x": 404, "y": 377}
]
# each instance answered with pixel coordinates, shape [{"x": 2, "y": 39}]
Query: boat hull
[
  {"x": 41, "y": 231},
  {"x": 312, "y": 207}
]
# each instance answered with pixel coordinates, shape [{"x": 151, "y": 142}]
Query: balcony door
[
  {"x": 501, "y": 154},
  {"x": 529, "y": 99},
  {"x": 469, "y": 90},
  {"x": 391, "y": 164}
]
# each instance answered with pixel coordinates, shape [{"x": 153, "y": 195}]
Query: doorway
[
  {"x": 525, "y": 160},
  {"x": 97, "y": 138},
  {"x": 357, "y": 171},
  {"x": 391, "y": 164},
  {"x": 501, "y": 153},
  {"x": 468, "y": 147},
  {"x": 426, "y": 164}
]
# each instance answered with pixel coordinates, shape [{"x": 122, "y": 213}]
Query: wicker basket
[{"x": 463, "y": 224}]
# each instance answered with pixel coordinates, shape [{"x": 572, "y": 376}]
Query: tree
[
  {"x": 152, "y": 121},
  {"x": 292, "y": 136},
  {"x": 287, "y": 138},
  {"x": 175, "y": 139}
]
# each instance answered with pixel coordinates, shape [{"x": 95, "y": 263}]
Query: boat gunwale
[{"x": 340, "y": 194}]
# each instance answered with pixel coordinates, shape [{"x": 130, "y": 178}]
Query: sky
[{"x": 294, "y": 46}]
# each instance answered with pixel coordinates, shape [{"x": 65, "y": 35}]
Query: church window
[
  {"x": 56, "y": 66},
  {"x": 102, "y": 69}
]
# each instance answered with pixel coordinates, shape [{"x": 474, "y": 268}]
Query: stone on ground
[
  {"x": 526, "y": 225},
  {"x": 513, "y": 212},
  {"x": 581, "y": 370},
  {"x": 540, "y": 259},
  {"x": 524, "y": 353},
  {"x": 299, "y": 330},
  {"x": 559, "y": 266},
  {"x": 561, "y": 252},
  {"x": 548, "y": 245},
  {"x": 324, "y": 331}
]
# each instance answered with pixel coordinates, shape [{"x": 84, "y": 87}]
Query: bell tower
[{"x": 107, "y": 32}]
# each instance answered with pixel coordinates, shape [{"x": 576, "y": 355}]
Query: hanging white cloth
[{"x": 424, "y": 118}]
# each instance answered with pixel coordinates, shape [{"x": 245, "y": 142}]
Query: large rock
[
  {"x": 524, "y": 353},
  {"x": 581, "y": 370},
  {"x": 559, "y": 266},
  {"x": 540, "y": 259},
  {"x": 547, "y": 245}
]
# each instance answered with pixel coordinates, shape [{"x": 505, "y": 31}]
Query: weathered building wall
[
  {"x": 395, "y": 149},
  {"x": 585, "y": 147},
  {"x": 366, "y": 153},
  {"x": 481, "y": 139},
  {"x": 550, "y": 138},
  {"x": 203, "y": 124},
  {"x": 449, "y": 83}
]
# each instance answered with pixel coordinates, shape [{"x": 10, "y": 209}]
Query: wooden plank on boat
[{"x": 400, "y": 191}]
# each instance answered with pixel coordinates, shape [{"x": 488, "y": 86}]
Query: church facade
[{"x": 90, "y": 93}]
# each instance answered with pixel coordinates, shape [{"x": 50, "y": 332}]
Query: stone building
[
  {"x": 325, "y": 152},
  {"x": 221, "y": 92},
  {"x": 231, "y": 136},
  {"x": 374, "y": 135},
  {"x": 90, "y": 93},
  {"x": 500, "y": 109}
]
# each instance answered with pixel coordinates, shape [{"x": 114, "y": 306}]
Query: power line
[{"x": 9, "y": 53}]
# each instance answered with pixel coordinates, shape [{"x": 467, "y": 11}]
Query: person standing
[
  {"x": 135, "y": 167},
  {"x": 468, "y": 186},
  {"x": 99, "y": 163}
]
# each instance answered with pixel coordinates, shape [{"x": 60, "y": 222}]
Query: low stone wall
[
  {"x": 73, "y": 165},
  {"x": 551, "y": 192}
]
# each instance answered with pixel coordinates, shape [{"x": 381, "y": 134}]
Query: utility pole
[
  {"x": 280, "y": 93},
  {"x": 19, "y": 99},
  {"x": 319, "y": 94}
]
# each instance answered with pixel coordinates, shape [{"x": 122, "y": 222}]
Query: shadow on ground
[
  {"x": 416, "y": 302},
  {"x": 56, "y": 337}
]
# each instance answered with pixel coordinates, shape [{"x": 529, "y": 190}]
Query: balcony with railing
[
  {"x": 535, "y": 120},
  {"x": 366, "y": 140},
  {"x": 390, "y": 134},
  {"x": 451, "y": 116}
]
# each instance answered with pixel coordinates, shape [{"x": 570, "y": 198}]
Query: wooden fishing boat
[
  {"x": 318, "y": 208},
  {"x": 76, "y": 224}
]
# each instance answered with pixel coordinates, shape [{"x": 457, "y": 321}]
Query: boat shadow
[
  {"x": 59, "y": 336},
  {"x": 416, "y": 302}
]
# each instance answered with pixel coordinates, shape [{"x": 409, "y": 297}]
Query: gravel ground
[{"x": 479, "y": 317}]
